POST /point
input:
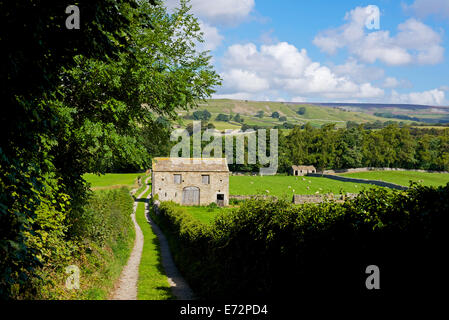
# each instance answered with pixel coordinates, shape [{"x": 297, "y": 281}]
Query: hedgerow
[
  {"x": 274, "y": 249},
  {"x": 105, "y": 240}
]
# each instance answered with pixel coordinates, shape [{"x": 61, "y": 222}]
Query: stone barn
[
  {"x": 302, "y": 170},
  {"x": 191, "y": 181}
]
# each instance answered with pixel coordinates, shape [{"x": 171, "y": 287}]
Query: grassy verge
[
  {"x": 112, "y": 260},
  {"x": 104, "y": 262},
  {"x": 152, "y": 283}
]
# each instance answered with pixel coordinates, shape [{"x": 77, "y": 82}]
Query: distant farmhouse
[
  {"x": 302, "y": 170},
  {"x": 191, "y": 181}
]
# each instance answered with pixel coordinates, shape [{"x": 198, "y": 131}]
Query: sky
[{"x": 378, "y": 51}]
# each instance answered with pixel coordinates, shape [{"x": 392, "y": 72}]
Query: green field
[
  {"x": 403, "y": 177},
  {"x": 281, "y": 186},
  {"x": 112, "y": 180},
  {"x": 203, "y": 213}
]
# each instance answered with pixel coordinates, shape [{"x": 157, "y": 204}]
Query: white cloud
[
  {"x": 227, "y": 12},
  {"x": 415, "y": 42},
  {"x": 236, "y": 96},
  {"x": 244, "y": 80},
  {"x": 298, "y": 99},
  {"x": 212, "y": 38},
  {"x": 284, "y": 68},
  {"x": 423, "y": 8},
  {"x": 431, "y": 97},
  {"x": 268, "y": 38},
  {"x": 360, "y": 73},
  {"x": 391, "y": 82}
]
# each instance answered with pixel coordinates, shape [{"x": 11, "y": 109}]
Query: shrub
[
  {"x": 104, "y": 241},
  {"x": 273, "y": 249}
]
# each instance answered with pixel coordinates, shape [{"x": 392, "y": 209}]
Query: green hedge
[
  {"x": 280, "y": 250},
  {"x": 104, "y": 243}
]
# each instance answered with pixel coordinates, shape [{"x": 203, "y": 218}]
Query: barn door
[{"x": 191, "y": 196}]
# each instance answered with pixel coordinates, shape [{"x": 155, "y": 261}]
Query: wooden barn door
[{"x": 191, "y": 196}]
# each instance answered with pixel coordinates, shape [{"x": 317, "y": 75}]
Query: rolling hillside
[{"x": 317, "y": 115}]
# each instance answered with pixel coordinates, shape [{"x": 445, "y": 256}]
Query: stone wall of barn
[{"x": 163, "y": 184}]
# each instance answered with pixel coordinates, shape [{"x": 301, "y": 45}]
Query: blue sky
[{"x": 355, "y": 51}]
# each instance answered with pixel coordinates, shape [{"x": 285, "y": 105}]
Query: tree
[
  {"x": 275, "y": 114},
  {"x": 222, "y": 117},
  {"x": 31, "y": 63},
  {"x": 260, "y": 114},
  {"x": 86, "y": 108},
  {"x": 238, "y": 118},
  {"x": 301, "y": 111},
  {"x": 202, "y": 115},
  {"x": 283, "y": 118}
]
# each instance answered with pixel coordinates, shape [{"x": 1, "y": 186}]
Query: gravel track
[
  {"x": 126, "y": 287},
  {"x": 179, "y": 286}
]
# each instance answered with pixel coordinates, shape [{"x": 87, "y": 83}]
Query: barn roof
[
  {"x": 190, "y": 164},
  {"x": 303, "y": 167}
]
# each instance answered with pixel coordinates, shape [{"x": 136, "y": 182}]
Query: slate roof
[
  {"x": 190, "y": 165},
  {"x": 303, "y": 168}
]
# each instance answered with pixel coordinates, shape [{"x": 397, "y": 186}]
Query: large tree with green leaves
[{"x": 82, "y": 101}]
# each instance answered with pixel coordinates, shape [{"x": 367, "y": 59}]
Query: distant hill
[
  {"x": 414, "y": 112},
  {"x": 315, "y": 113},
  {"x": 374, "y": 105}
]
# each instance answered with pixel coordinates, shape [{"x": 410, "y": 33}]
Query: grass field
[
  {"x": 281, "y": 186},
  {"x": 153, "y": 283},
  {"x": 204, "y": 214},
  {"x": 112, "y": 180},
  {"x": 403, "y": 177}
]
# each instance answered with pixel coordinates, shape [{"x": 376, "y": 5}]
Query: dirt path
[
  {"x": 179, "y": 286},
  {"x": 126, "y": 288}
]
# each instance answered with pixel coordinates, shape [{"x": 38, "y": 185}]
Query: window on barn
[
  {"x": 205, "y": 179},
  {"x": 177, "y": 178}
]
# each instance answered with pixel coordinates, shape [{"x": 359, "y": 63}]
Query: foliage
[
  {"x": 222, "y": 117},
  {"x": 107, "y": 239},
  {"x": 301, "y": 110},
  {"x": 85, "y": 101},
  {"x": 238, "y": 118},
  {"x": 275, "y": 114},
  {"x": 31, "y": 65},
  {"x": 201, "y": 115},
  {"x": 392, "y": 146},
  {"x": 267, "y": 249}
]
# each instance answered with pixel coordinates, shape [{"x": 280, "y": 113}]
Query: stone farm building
[
  {"x": 191, "y": 181},
  {"x": 302, "y": 170}
]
